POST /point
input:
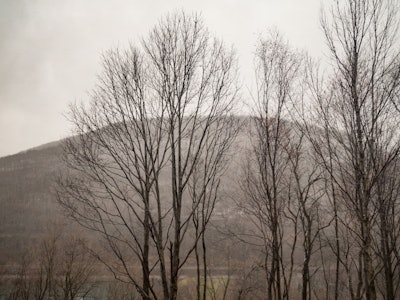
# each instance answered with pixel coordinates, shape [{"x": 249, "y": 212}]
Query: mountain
[
  {"x": 27, "y": 197},
  {"x": 27, "y": 201}
]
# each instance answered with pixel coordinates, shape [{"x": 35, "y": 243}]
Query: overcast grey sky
[{"x": 50, "y": 50}]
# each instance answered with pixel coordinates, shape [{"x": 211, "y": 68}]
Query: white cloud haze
[{"x": 50, "y": 50}]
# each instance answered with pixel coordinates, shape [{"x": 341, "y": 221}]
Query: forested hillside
[{"x": 26, "y": 197}]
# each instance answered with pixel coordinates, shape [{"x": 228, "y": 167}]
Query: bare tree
[
  {"x": 160, "y": 112},
  {"x": 203, "y": 188},
  {"x": 21, "y": 287},
  {"x": 57, "y": 267},
  {"x": 305, "y": 173},
  {"x": 267, "y": 185},
  {"x": 386, "y": 232},
  {"x": 46, "y": 259},
  {"x": 74, "y": 269},
  {"x": 358, "y": 141}
]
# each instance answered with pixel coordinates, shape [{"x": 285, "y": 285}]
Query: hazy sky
[{"x": 50, "y": 50}]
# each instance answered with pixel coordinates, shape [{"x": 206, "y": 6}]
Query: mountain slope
[{"x": 27, "y": 199}]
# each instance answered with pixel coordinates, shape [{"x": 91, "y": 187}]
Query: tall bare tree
[
  {"x": 359, "y": 140},
  {"x": 160, "y": 111},
  {"x": 267, "y": 184},
  {"x": 203, "y": 189},
  {"x": 308, "y": 198}
]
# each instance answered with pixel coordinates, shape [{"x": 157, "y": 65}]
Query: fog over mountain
[
  {"x": 28, "y": 199},
  {"x": 50, "y": 51}
]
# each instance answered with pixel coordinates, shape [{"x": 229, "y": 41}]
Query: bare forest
[{"x": 178, "y": 194}]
